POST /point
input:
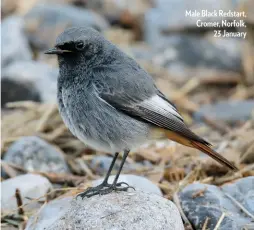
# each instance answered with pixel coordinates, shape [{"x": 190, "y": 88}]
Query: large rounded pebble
[
  {"x": 125, "y": 210},
  {"x": 29, "y": 80},
  {"x": 44, "y": 22},
  {"x": 35, "y": 154}
]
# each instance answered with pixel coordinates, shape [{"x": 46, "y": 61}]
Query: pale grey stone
[
  {"x": 124, "y": 210},
  {"x": 36, "y": 77},
  {"x": 170, "y": 15},
  {"x": 14, "y": 44},
  {"x": 52, "y": 19},
  {"x": 31, "y": 186},
  {"x": 35, "y": 154},
  {"x": 229, "y": 111},
  {"x": 100, "y": 165}
]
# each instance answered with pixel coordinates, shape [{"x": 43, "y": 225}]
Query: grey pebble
[
  {"x": 31, "y": 186},
  {"x": 125, "y": 210},
  {"x": 35, "y": 154},
  {"x": 38, "y": 81},
  {"x": 14, "y": 44},
  {"x": 228, "y": 111},
  {"x": 100, "y": 165},
  {"x": 215, "y": 201},
  {"x": 52, "y": 19},
  {"x": 169, "y": 15}
]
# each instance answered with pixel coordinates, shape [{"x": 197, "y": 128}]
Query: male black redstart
[{"x": 110, "y": 103}]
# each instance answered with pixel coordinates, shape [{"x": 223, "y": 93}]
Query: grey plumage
[
  {"x": 102, "y": 91},
  {"x": 109, "y": 102},
  {"x": 80, "y": 87}
]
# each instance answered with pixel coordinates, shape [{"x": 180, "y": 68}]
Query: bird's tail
[
  {"x": 216, "y": 156},
  {"x": 202, "y": 146}
]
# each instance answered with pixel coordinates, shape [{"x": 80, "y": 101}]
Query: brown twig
[
  {"x": 205, "y": 223},
  {"x": 19, "y": 202},
  {"x": 247, "y": 153},
  {"x": 37, "y": 199},
  {"x": 68, "y": 179},
  {"x": 235, "y": 176},
  {"x": 22, "y": 225},
  {"x": 240, "y": 206},
  {"x": 36, "y": 216},
  {"x": 179, "y": 207},
  {"x": 13, "y": 166},
  {"x": 85, "y": 168},
  {"x": 8, "y": 170},
  {"x": 149, "y": 155},
  {"x": 222, "y": 78},
  {"x": 199, "y": 193},
  {"x": 42, "y": 122},
  {"x": 218, "y": 125},
  {"x": 192, "y": 84},
  {"x": 219, "y": 221},
  {"x": 22, "y": 104}
]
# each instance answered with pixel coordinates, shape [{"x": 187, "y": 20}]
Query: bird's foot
[{"x": 104, "y": 189}]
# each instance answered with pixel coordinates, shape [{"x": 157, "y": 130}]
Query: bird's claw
[{"x": 104, "y": 189}]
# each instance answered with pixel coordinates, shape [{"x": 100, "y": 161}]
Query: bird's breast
[{"x": 98, "y": 124}]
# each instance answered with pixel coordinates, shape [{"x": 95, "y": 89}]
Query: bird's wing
[{"x": 133, "y": 92}]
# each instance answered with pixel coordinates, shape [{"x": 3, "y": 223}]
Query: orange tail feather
[
  {"x": 216, "y": 156},
  {"x": 203, "y": 147}
]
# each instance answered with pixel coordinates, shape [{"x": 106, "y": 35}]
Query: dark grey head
[{"x": 76, "y": 46}]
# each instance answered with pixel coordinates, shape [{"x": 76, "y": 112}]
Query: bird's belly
[
  {"x": 106, "y": 129},
  {"x": 112, "y": 137}
]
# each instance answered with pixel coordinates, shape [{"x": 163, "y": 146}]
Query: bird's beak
[{"x": 56, "y": 51}]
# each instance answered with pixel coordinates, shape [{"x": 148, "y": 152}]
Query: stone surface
[
  {"x": 215, "y": 201},
  {"x": 137, "y": 182},
  {"x": 31, "y": 186},
  {"x": 115, "y": 7},
  {"x": 29, "y": 80},
  {"x": 14, "y": 44},
  {"x": 124, "y": 210},
  {"x": 45, "y": 22},
  {"x": 126, "y": 13},
  {"x": 100, "y": 165},
  {"x": 180, "y": 52},
  {"x": 228, "y": 111},
  {"x": 232, "y": 46},
  {"x": 35, "y": 154},
  {"x": 13, "y": 90},
  {"x": 53, "y": 211}
]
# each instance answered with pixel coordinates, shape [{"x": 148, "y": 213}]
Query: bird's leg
[
  {"x": 104, "y": 187},
  {"x": 91, "y": 191},
  {"x": 117, "y": 186}
]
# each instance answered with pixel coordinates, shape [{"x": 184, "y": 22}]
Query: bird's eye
[{"x": 80, "y": 45}]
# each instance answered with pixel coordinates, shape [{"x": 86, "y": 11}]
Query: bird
[{"x": 110, "y": 103}]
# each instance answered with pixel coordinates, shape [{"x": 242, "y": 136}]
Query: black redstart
[{"x": 110, "y": 103}]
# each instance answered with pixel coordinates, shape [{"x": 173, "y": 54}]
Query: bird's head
[{"x": 78, "y": 45}]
